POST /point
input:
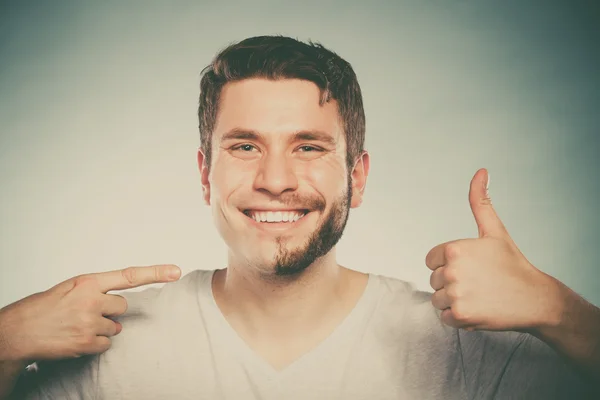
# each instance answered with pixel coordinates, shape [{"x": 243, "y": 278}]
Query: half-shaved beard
[{"x": 290, "y": 264}]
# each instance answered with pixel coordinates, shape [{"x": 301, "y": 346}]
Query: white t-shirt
[{"x": 176, "y": 344}]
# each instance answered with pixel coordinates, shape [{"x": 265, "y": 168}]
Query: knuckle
[
  {"x": 85, "y": 282},
  {"x": 449, "y": 274},
  {"x": 91, "y": 303},
  {"x": 130, "y": 275},
  {"x": 86, "y": 341},
  {"x": 451, "y": 251},
  {"x": 459, "y": 313},
  {"x": 157, "y": 273},
  {"x": 453, "y": 292},
  {"x": 74, "y": 328},
  {"x": 86, "y": 322}
]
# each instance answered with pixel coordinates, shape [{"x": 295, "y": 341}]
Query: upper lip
[{"x": 271, "y": 209}]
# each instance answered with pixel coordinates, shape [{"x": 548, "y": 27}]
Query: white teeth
[{"x": 275, "y": 216}]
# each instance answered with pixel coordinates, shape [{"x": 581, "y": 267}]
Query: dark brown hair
[{"x": 279, "y": 57}]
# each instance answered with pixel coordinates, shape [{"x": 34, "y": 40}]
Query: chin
[{"x": 276, "y": 259}]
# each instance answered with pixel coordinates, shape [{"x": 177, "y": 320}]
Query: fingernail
[{"x": 174, "y": 273}]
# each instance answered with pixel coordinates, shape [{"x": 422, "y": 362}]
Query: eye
[
  {"x": 244, "y": 147},
  {"x": 307, "y": 148}
]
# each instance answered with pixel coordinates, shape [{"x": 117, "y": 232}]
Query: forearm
[
  {"x": 11, "y": 365},
  {"x": 574, "y": 332},
  {"x": 9, "y": 373}
]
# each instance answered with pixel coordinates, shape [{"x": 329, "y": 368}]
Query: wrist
[
  {"x": 553, "y": 305},
  {"x": 9, "y": 353}
]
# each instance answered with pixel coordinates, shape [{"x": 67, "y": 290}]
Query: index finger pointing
[{"x": 132, "y": 277}]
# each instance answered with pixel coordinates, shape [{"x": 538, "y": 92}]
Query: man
[{"x": 281, "y": 162}]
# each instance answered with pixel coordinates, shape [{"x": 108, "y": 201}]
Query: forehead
[{"x": 275, "y": 107}]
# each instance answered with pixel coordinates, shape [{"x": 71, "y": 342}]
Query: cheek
[
  {"x": 228, "y": 178},
  {"x": 329, "y": 175}
]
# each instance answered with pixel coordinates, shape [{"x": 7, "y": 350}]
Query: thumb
[{"x": 488, "y": 222}]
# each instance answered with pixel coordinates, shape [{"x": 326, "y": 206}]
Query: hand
[
  {"x": 487, "y": 283},
  {"x": 72, "y": 318}
]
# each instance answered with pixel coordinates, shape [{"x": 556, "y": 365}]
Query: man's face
[{"x": 279, "y": 187}]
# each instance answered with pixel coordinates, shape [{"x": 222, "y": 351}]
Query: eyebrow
[{"x": 249, "y": 134}]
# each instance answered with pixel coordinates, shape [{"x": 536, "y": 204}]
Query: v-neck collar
[{"x": 239, "y": 349}]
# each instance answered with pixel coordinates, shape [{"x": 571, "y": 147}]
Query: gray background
[{"x": 98, "y": 130}]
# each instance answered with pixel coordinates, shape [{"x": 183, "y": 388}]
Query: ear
[
  {"x": 204, "y": 176},
  {"x": 360, "y": 172}
]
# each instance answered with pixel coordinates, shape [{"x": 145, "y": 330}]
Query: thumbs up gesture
[{"x": 487, "y": 283}]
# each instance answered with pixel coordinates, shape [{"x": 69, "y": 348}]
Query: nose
[{"x": 276, "y": 175}]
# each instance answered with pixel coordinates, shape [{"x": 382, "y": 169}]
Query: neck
[{"x": 290, "y": 304}]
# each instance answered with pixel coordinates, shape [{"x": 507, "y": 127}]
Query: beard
[{"x": 290, "y": 264}]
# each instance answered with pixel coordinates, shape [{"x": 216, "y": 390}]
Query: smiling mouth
[{"x": 275, "y": 216}]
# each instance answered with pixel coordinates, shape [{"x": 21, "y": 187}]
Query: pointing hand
[{"x": 72, "y": 318}]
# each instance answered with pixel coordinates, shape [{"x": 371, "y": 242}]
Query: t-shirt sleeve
[
  {"x": 512, "y": 365},
  {"x": 69, "y": 379},
  {"x": 536, "y": 371}
]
